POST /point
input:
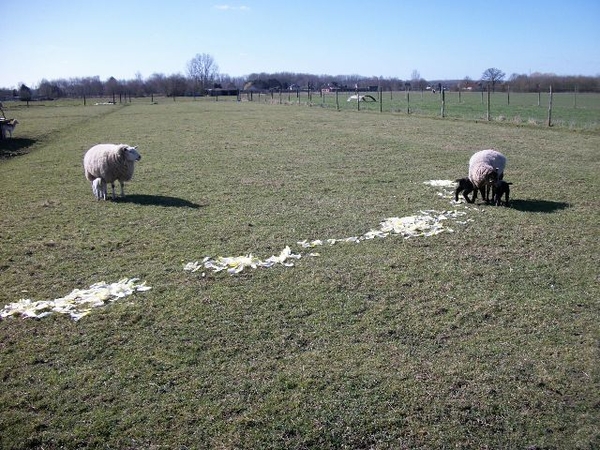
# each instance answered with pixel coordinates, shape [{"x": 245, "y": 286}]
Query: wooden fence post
[
  {"x": 550, "y": 108},
  {"x": 488, "y": 103},
  {"x": 443, "y": 102}
]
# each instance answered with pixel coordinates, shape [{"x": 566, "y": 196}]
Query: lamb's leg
[
  {"x": 122, "y": 188},
  {"x": 114, "y": 197},
  {"x": 466, "y": 193},
  {"x": 95, "y": 191},
  {"x": 482, "y": 191},
  {"x": 474, "y": 196},
  {"x": 99, "y": 188}
]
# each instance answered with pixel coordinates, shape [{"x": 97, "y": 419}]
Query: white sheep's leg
[
  {"x": 122, "y": 188},
  {"x": 113, "y": 190}
]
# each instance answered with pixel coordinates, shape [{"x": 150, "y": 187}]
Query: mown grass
[{"x": 482, "y": 338}]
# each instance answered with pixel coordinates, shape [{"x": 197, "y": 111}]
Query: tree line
[{"x": 203, "y": 74}]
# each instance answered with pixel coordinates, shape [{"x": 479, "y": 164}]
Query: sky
[{"x": 380, "y": 38}]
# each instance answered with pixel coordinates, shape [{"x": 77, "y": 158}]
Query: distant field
[
  {"x": 575, "y": 111},
  {"x": 484, "y": 337}
]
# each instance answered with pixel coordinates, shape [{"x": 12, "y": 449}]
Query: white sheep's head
[{"x": 130, "y": 153}]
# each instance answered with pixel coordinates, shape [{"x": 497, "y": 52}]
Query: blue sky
[{"x": 387, "y": 38}]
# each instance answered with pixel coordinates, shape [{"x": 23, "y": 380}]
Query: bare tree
[
  {"x": 202, "y": 70},
  {"x": 157, "y": 84},
  {"x": 24, "y": 94},
  {"x": 415, "y": 76},
  {"x": 113, "y": 87},
  {"x": 493, "y": 76},
  {"x": 176, "y": 85}
]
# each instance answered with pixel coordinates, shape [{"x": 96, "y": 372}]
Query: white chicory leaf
[{"x": 78, "y": 303}]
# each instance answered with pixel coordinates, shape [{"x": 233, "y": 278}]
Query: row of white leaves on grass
[
  {"x": 80, "y": 302},
  {"x": 426, "y": 223}
]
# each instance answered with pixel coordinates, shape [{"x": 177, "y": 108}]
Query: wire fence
[{"x": 573, "y": 110}]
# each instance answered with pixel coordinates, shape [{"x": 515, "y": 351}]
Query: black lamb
[
  {"x": 501, "y": 188},
  {"x": 466, "y": 187}
]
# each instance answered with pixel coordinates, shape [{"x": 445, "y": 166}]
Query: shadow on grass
[
  {"x": 158, "y": 200},
  {"x": 533, "y": 205},
  {"x": 10, "y": 148}
]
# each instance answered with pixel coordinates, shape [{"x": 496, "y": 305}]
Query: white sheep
[
  {"x": 486, "y": 168},
  {"x": 107, "y": 163}
]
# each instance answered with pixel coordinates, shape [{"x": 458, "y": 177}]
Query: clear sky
[{"x": 55, "y": 39}]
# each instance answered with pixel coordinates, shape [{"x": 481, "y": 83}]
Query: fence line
[{"x": 564, "y": 109}]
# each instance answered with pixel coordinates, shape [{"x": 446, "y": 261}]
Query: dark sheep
[
  {"x": 501, "y": 188},
  {"x": 466, "y": 187}
]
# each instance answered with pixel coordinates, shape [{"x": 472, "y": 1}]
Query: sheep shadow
[
  {"x": 11, "y": 147},
  {"x": 532, "y": 205},
  {"x": 158, "y": 200}
]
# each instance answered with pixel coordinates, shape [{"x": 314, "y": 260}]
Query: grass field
[
  {"x": 580, "y": 111},
  {"x": 486, "y": 337}
]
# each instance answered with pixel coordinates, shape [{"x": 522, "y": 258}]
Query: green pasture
[
  {"x": 485, "y": 337},
  {"x": 575, "y": 111}
]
